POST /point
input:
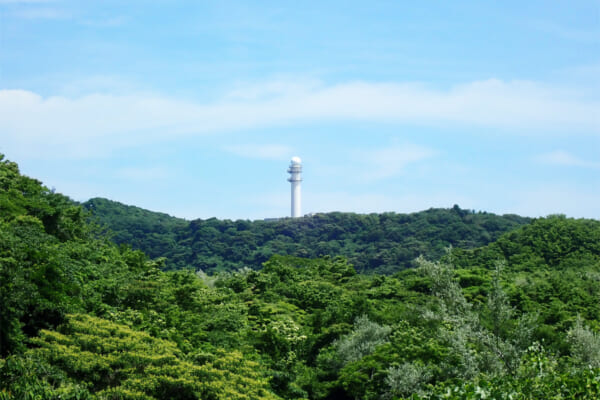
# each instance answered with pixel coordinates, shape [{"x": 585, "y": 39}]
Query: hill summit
[{"x": 380, "y": 243}]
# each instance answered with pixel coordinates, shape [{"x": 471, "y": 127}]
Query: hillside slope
[
  {"x": 67, "y": 296},
  {"x": 382, "y": 243},
  {"x": 551, "y": 268},
  {"x": 82, "y": 318}
]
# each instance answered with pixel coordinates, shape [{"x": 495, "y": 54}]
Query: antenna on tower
[{"x": 295, "y": 171}]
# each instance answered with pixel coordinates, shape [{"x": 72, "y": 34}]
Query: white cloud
[
  {"x": 261, "y": 151},
  {"x": 96, "y": 124},
  {"x": 563, "y": 158}
]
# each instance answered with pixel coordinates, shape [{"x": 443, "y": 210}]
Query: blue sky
[{"x": 195, "y": 108}]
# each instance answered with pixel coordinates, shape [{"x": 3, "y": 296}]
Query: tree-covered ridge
[
  {"x": 156, "y": 234},
  {"x": 81, "y": 318},
  {"x": 552, "y": 269},
  {"x": 382, "y": 243},
  {"x": 85, "y": 319},
  {"x": 37, "y": 231}
]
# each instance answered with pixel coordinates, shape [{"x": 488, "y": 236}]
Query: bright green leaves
[
  {"x": 28, "y": 376},
  {"x": 115, "y": 361}
]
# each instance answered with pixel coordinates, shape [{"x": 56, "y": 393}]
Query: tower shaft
[
  {"x": 296, "y": 200},
  {"x": 295, "y": 171}
]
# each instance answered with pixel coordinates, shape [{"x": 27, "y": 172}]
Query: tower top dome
[{"x": 296, "y": 160}]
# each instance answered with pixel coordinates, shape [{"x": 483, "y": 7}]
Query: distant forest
[{"x": 380, "y": 243}]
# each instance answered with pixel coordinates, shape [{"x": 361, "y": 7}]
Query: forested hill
[
  {"x": 79, "y": 316},
  {"x": 382, "y": 243},
  {"x": 84, "y": 319}
]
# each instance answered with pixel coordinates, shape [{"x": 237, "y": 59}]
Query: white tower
[{"x": 295, "y": 170}]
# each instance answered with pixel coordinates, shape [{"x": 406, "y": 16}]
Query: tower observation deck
[{"x": 295, "y": 171}]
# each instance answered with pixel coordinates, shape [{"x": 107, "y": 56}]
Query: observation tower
[{"x": 295, "y": 170}]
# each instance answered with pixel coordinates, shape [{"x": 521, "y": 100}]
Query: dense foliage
[
  {"x": 156, "y": 234},
  {"x": 382, "y": 243},
  {"x": 83, "y": 318}
]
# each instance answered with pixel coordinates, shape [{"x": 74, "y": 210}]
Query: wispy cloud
[
  {"x": 272, "y": 89},
  {"x": 143, "y": 173},
  {"x": 276, "y": 204},
  {"x": 108, "y": 22},
  {"x": 569, "y": 33},
  {"x": 54, "y": 10},
  {"x": 98, "y": 84},
  {"x": 566, "y": 159},
  {"x": 41, "y": 13},
  {"x": 97, "y": 123},
  {"x": 35, "y": 9},
  {"x": 545, "y": 199},
  {"x": 261, "y": 151},
  {"x": 25, "y": 1},
  {"x": 591, "y": 70},
  {"x": 391, "y": 161}
]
